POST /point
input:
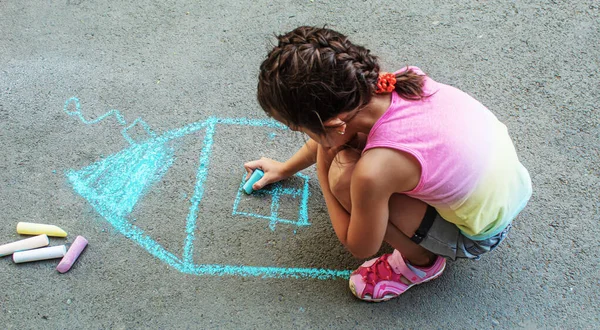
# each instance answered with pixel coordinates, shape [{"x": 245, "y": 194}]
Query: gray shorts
[{"x": 445, "y": 239}]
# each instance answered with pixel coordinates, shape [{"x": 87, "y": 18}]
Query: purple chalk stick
[{"x": 74, "y": 251}]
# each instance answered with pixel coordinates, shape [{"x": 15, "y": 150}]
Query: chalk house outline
[{"x": 114, "y": 197}]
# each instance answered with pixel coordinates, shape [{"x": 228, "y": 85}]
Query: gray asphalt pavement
[{"x": 128, "y": 123}]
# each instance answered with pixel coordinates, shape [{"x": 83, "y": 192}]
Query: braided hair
[{"x": 314, "y": 74}]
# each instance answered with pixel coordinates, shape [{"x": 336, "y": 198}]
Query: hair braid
[{"x": 314, "y": 74}]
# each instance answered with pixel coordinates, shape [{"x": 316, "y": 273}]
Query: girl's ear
[{"x": 334, "y": 122}]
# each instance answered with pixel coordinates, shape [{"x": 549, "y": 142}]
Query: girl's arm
[
  {"x": 277, "y": 171},
  {"x": 340, "y": 218},
  {"x": 379, "y": 173},
  {"x": 303, "y": 158}
]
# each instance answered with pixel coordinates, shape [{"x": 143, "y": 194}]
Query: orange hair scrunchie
[{"x": 386, "y": 83}]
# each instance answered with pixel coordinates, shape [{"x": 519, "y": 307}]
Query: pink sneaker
[{"x": 379, "y": 279}]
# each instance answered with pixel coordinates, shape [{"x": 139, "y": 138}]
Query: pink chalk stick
[{"x": 74, "y": 251}]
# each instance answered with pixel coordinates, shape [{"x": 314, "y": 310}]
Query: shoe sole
[{"x": 386, "y": 298}]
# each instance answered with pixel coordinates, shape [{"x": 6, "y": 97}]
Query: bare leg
[{"x": 406, "y": 213}]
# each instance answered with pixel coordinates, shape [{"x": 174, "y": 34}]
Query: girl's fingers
[
  {"x": 264, "y": 164},
  {"x": 260, "y": 183},
  {"x": 250, "y": 167}
]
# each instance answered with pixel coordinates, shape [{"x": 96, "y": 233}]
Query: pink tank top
[{"x": 469, "y": 168}]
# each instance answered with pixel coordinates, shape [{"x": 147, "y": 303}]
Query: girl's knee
[{"x": 340, "y": 173}]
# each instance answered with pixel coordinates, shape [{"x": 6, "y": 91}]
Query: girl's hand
[{"x": 274, "y": 171}]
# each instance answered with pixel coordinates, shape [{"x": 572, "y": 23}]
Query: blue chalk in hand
[{"x": 256, "y": 175}]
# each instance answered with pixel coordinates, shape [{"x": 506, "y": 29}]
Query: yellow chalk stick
[{"x": 28, "y": 228}]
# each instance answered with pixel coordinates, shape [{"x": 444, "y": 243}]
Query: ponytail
[{"x": 409, "y": 85}]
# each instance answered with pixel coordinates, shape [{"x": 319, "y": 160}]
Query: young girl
[{"x": 400, "y": 158}]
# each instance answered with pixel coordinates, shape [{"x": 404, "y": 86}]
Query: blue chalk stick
[{"x": 256, "y": 175}]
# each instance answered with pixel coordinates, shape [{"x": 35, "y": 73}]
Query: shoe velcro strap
[{"x": 401, "y": 267}]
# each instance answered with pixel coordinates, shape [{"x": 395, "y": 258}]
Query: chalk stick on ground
[
  {"x": 28, "y": 228},
  {"x": 52, "y": 252},
  {"x": 74, "y": 251},
  {"x": 256, "y": 175},
  {"x": 24, "y": 244}
]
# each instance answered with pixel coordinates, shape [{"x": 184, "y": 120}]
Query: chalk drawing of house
[{"x": 114, "y": 185}]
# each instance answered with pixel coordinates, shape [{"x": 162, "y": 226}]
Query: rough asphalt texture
[{"x": 535, "y": 64}]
